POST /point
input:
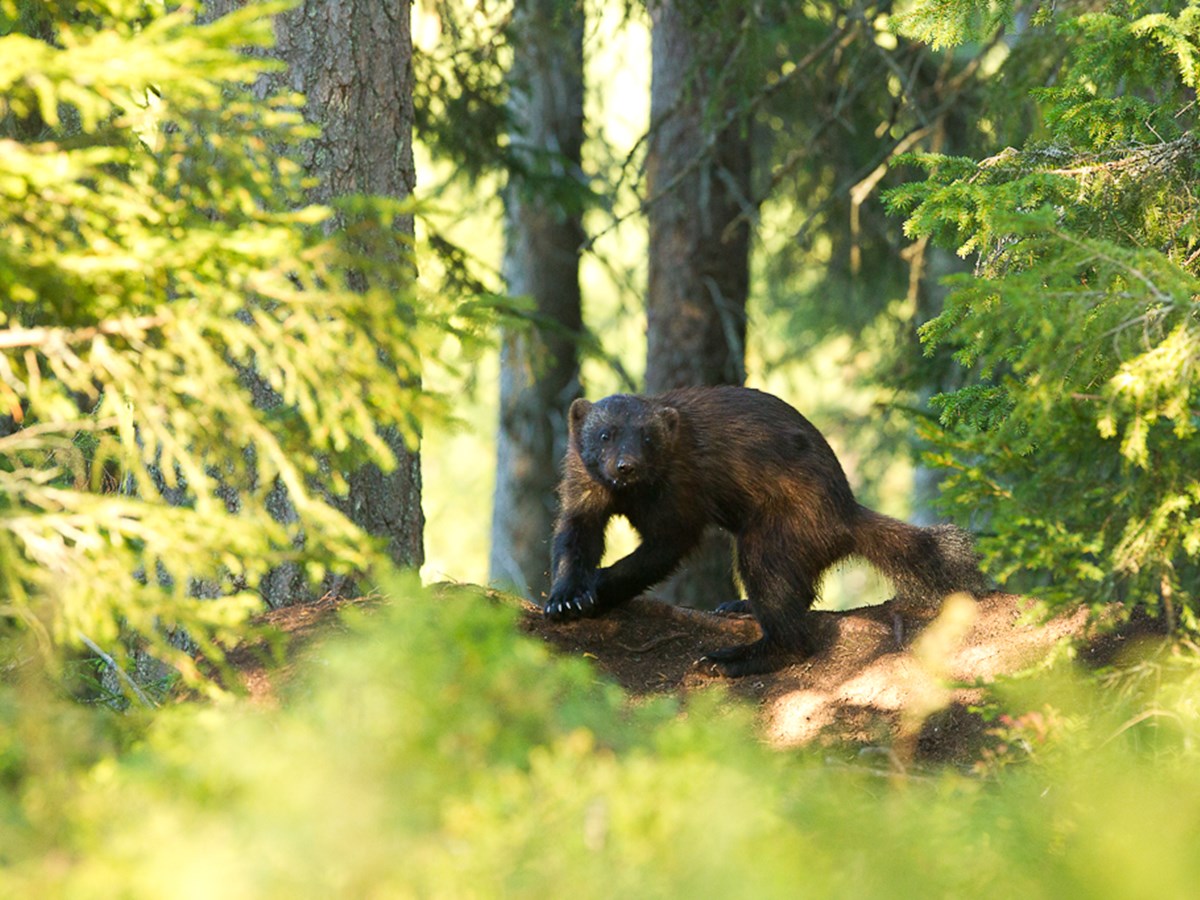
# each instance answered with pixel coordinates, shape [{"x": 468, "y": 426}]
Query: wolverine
[{"x": 746, "y": 461}]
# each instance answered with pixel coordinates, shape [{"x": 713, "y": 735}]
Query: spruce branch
[
  {"x": 13, "y": 338},
  {"x": 121, "y": 674}
]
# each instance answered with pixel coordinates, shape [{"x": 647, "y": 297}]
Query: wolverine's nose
[{"x": 623, "y": 471}]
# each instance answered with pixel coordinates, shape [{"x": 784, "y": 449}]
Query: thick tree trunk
[
  {"x": 698, "y": 184},
  {"x": 352, "y": 59},
  {"x": 698, "y": 181},
  {"x": 539, "y": 375}
]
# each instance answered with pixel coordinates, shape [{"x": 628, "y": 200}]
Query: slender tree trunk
[
  {"x": 539, "y": 375},
  {"x": 929, "y": 266},
  {"x": 352, "y": 59},
  {"x": 698, "y": 182},
  {"x": 935, "y": 264}
]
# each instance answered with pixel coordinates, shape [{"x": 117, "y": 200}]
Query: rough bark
[
  {"x": 698, "y": 184},
  {"x": 539, "y": 374},
  {"x": 352, "y": 59}
]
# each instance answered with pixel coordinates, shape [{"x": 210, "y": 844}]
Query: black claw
[{"x": 734, "y": 606}]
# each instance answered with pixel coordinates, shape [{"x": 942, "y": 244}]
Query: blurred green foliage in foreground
[{"x": 435, "y": 752}]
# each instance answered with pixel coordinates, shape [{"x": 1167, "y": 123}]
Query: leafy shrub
[
  {"x": 1074, "y": 442},
  {"x": 434, "y": 751}
]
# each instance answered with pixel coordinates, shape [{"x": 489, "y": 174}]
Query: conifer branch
[
  {"x": 32, "y": 433},
  {"x": 121, "y": 674},
  {"x": 12, "y": 338}
]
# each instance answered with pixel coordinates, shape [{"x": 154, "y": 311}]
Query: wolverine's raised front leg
[
  {"x": 660, "y": 553},
  {"x": 579, "y": 589}
]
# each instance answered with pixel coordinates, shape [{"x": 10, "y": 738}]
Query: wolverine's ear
[
  {"x": 670, "y": 418},
  {"x": 579, "y": 411}
]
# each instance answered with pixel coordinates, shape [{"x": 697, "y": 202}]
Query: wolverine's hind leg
[{"x": 780, "y": 583}]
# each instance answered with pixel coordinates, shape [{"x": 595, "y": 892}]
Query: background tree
[
  {"x": 699, "y": 213},
  {"x": 353, "y": 63},
  {"x": 827, "y": 97},
  {"x": 543, "y": 203},
  {"x": 698, "y": 195},
  {"x": 156, "y": 250}
]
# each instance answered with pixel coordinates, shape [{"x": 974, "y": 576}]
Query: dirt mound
[
  {"x": 881, "y": 677},
  {"x": 885, "y": 677},
  {"x": 271, "y": 657}
]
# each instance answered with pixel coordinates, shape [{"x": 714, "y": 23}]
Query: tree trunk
[
  {"x": 539, "y": 374},
  {"x": 352, "y": 59},
  {"x": 934, "y": 265},
  {"x": 698, "y": 184}
]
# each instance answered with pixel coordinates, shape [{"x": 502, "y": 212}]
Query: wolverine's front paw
[{"x": 571, "y": 602}]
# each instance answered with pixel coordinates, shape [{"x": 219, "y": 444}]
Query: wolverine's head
[{"x": 624, "y": 441}]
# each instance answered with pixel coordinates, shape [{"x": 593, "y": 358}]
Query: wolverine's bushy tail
[{"x": 925, "y": 564}]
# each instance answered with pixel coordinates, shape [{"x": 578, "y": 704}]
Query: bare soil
[{"x": 885, "y": 677}]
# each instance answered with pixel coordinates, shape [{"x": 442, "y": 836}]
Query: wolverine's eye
[
  {"x": 647, "y": 439},
  {"x": 606, "y": 436}
]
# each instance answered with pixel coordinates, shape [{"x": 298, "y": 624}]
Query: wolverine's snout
[{"x": 623, "y": 470}]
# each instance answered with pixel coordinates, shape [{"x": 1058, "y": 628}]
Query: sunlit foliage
[
  {"x": 435, "y": 752},
  {"x": 1075, "y": 441},
  {"x": 190, "y": 356}
]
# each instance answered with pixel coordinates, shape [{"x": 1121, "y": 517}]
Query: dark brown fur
[{"x": 750, "y": 463}]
